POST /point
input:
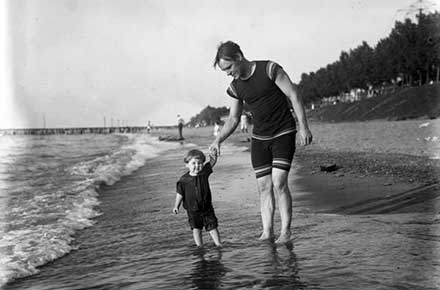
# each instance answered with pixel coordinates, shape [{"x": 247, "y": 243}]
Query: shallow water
[
  {"x": 125, "y": 237},
  {"x": 138, "y": 244}
]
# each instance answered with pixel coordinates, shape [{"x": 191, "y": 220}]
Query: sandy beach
[
  {"x": 375, "y": 160},
  {"x": 371, "y": 224}
]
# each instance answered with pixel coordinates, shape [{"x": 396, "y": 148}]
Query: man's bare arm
[
  {"x": 236, "y": 107},
  {"x": 289, "y": 89}
]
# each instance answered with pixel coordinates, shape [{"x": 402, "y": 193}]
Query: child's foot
[
  {"x": 283, "y": 238},
  {"x": 266, "y": 237}
]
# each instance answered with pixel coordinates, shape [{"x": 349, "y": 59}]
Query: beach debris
[
  {"x": 387, "y": 184},
  {"x": 431, "y": 139},
  {"x": 170, "y": 138},
  {"x": 424, "y": 125},
  {"x": 348, "y": 252},
  {"x": 329, "y": 167}
]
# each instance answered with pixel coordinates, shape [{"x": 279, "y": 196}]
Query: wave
[{"x": 41, "y": 229}]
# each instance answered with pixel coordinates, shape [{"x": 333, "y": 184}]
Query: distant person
[
  {"x": 180, "y": 123},
  {"x": 244, "y": 123},
  {"x": 216, "y": 128},
  {"x": 265, "y": 87},
  {"x": 194, "y": 192},
  {"x": 149, "y": 127}
]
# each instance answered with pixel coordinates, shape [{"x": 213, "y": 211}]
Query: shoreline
[
  {"x": 350, "y": 210},
  {"x": 359, "y": 177}
]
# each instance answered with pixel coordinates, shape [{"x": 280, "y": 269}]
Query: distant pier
[{"x": 75, "y": 131}]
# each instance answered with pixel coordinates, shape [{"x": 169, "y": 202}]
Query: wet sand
[
  {"x": 384, "y": 166},
  {"x": 354, "y": 228}
]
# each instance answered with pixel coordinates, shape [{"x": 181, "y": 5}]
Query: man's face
[{"x": 230, "y": 67}]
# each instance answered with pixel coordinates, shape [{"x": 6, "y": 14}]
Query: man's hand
[
  {"x": 305, "y": 136},
  {"x": 215, "y": 147},
  {"x": 175, "y": 210}
]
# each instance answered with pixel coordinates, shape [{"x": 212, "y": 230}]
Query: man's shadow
[{"x": 208, "y": 270}]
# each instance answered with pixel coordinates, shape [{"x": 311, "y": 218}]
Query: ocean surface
[
  {"x": 49, "y": 191},
  {"x": 94, "y": 212}
]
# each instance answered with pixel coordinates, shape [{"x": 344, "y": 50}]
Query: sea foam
[{"x": 40, "y": 219}]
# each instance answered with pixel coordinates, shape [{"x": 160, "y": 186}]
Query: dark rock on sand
[{"x": 170, "y": 138}]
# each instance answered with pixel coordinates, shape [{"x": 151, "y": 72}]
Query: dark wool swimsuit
[{"x": 273, "y": 135}]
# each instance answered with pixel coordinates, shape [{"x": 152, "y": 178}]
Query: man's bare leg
[
  {"x": 197, "y": 234},
  {"x": 215, "y": 237},
  {"x": 267, "y": 204},
  {"x": 281, "y": 188}
]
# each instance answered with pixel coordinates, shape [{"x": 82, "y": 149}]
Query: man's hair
[
  {"x": 227, "y": 50},
  {"x": 194, "y": 153}
]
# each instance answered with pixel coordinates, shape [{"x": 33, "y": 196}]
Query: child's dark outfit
[{"x": 197, "y": 199}]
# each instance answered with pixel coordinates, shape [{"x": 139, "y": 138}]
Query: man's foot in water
[
  {"x": 265, "y": 236},
  {"x": 283, "y": 238}
]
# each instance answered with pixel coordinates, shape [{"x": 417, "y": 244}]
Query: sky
[{"x": 90, "y": 63}]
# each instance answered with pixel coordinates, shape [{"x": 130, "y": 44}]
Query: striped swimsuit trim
[
  {"x": 265, "y": 138},
  {"x": 272, "y": 69},
  {"x": 263, "y": 170},
  {"x": 231, "y": 91},
  {"x": 281, "y": 163}
]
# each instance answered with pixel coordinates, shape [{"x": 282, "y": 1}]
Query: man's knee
[
  {"x": 280, "y": 182},
  {"x": 265, "y": 185}
]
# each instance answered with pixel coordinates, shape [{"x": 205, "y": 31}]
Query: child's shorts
[{"x": 200, "y": 219}]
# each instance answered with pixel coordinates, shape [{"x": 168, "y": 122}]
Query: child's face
[{"x": 194, "y": 165}]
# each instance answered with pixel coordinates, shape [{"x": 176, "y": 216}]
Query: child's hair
[{"x": 194, "y": 153}]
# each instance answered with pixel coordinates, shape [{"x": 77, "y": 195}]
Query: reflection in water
[
  {"x": 207, "y": 270},
  {"x": 282, "y": 267}
]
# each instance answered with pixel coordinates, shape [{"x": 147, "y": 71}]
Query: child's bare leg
[
  {"x": 197, "y": 233},
  {"x": 215, "y": 237}
]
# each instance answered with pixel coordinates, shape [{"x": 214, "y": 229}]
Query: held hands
[
  {"x": 213, "y": 152},
  {"x": 214, "y": 149}
]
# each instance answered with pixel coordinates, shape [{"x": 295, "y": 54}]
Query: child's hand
[
  {"x": 175, "y": 210},
  {"x": 213, "y": 152}
]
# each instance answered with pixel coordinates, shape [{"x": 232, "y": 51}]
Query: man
[
  {"x": 267, "y": 90},
  {"x": 180, "y": 123}
]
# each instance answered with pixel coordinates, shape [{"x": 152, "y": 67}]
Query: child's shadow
[{"x": 208, "y": 270}]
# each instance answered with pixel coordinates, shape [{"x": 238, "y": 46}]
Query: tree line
[
  {"x": 408, "y": 56},
  {"x": 208, "y": 116}
]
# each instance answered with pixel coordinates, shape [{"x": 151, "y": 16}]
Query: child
[
  {"x": 216, "y": 128},
  {"x": 194, "y": 192}
]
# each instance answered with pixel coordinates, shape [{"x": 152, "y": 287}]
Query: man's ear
[{"x": 238, "y": 57}]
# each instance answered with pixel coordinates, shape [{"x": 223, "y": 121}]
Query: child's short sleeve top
[{"x": 195, "y": 190}]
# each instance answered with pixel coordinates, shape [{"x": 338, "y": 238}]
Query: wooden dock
[{"x": 75, "y": 131}]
